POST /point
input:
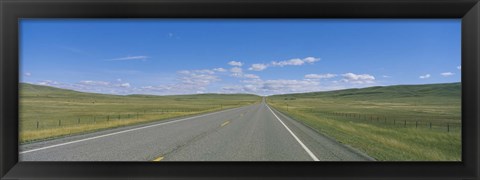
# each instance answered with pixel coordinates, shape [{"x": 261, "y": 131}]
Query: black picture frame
[{"x": 12, "y": 10}]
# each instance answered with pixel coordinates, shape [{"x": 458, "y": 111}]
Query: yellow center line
[
  {"x": 225, "y": 123},
  {"x": 158, "y": 159}
]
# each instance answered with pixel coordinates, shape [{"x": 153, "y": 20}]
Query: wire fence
[
  {"x": 42, "y": 124},
  {"x": 445, "y": 125}
]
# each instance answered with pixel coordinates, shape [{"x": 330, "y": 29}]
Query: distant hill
[
  {"x": 39, "y": 90},
  {"x": 27, "y": 89},
  {"x": 386, "y": 92}
]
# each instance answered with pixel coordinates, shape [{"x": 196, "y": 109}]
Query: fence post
[
  {"x": 394, "y": 122},
  {"x": 430, "y": 125},
  {"x": 59, "y": 122},
  {"x": 448, "y": 127},
  {"x": 37, "y": 124},
  {"x": 78, "y": 121}
]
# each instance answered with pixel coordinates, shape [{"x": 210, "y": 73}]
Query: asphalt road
[{"x": 251, "y": 133}]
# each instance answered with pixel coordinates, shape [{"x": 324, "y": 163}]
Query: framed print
[{"x": 240, "y": 89}]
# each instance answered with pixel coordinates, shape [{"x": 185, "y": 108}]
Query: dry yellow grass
[
  {"x": 350, "y": 116},
  {"x": 47, "y": 112}
]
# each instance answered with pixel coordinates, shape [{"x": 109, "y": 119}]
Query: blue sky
[{"x": 262, "y": 57}]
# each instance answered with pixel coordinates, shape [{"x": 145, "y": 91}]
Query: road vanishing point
[{"x": 251, "y": 133}]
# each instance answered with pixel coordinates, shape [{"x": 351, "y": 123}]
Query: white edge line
[
  {"x": 295, "y": 136},
  {"x": 120, "y": 132}
]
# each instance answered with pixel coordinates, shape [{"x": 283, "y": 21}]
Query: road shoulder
[{"x": 323, "y": 146}]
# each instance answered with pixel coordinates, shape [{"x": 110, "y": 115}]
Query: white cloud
[
  {"x": 98, "y": 83},
  {"x": 258, "y": 67},
  {"x": 426, "y": 76},
  {"x": 358, "y": 78},
  {"x": 292, "y": 62},
  {"x": 251, "y": 76},
  {"x": 236, "y": 72},
  {"x": 275, "y": 86},
  {"x": 124, "y": 85},
  {"x": 311, "y": 59},
  {"x": 156, "y": 89},
  {"x": 446, "y": 74},
  {"x": 102, "y": 86},
  {"x": 28, "y": 74},
  {"x": 189, "y": 82},
  {"x": 205, "y": 80},
  {"x": 289, "y": 86},
  {"x": 385, "y": 76},
  {"x": 320, "y": 76},
  {"x": 235, "y": 63},
  {"x": 128, "y": 58},
  {"x": 220, "y": 70},
  {"x": 459, "y": 67},
  {"x": 311, "y": 83},
  {"x": 184, "y": 72},
  {"x": 250, "y": 88},
  {"x": 92, "y": 86},
  {"x": 197, "y": 79},
  {"x": 199, "y": 71},
  {"x": 232, "y": 89},
  {"x": 295, "y": 62},
  {"x": 172, "y": 35},
  {"x": 48, "y": 83},
  {"x": 206, "y": 71}
]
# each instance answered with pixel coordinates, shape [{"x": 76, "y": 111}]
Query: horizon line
[{"x": 238, "y": 92}]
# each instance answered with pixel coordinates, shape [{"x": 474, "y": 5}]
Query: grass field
[
  {"x": 47, "y": 112},
  {"x": 407, "y": 122}
]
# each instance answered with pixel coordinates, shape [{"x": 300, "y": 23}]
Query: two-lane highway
[{"x": 251, "y": 133}]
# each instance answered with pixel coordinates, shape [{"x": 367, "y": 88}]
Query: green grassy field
[
  {"x": 47, "y": 112},
  {"x": 407, "y": 122}
]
